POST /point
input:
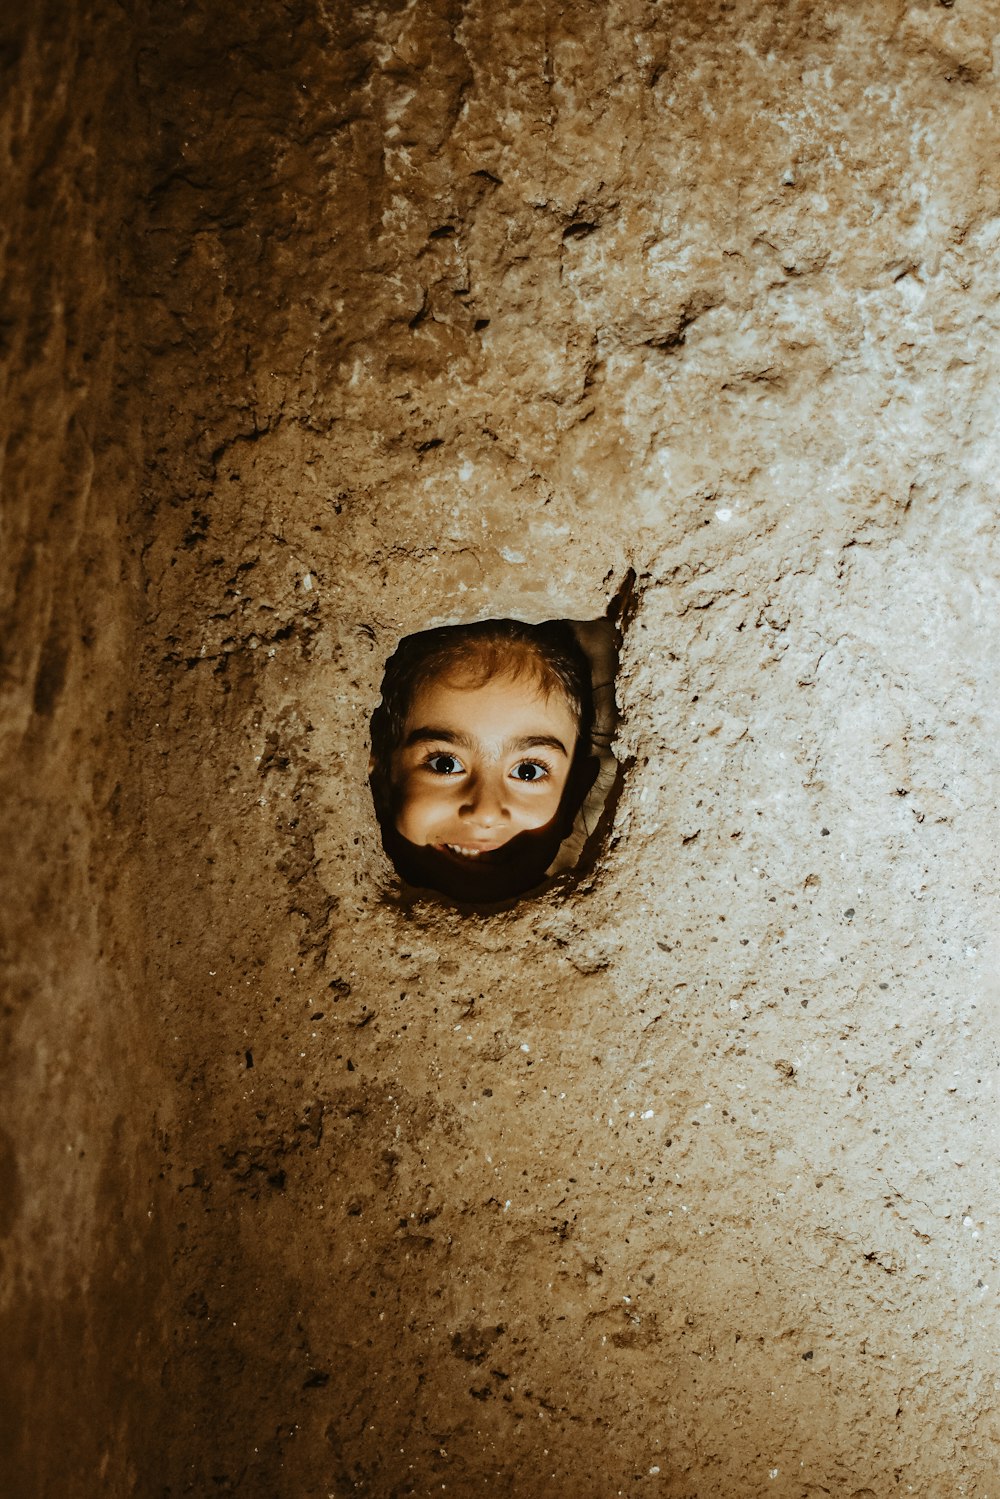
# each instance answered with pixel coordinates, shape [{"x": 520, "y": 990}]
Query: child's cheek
[{"x": 416, "y": 811}]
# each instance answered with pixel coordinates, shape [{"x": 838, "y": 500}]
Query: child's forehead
[
  {"x": 466, "y": 681},
  {"x": 458, "y": 697}
]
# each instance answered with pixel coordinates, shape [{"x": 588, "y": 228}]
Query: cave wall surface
[
  {"x": 78, "y": 1237},
  {"x": 678, "y": 1179}
]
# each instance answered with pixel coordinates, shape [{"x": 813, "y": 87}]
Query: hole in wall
[{"x": 492, "y": 767}]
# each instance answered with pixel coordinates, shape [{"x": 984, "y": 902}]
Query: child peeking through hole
[{"x": 482, "y": 755}]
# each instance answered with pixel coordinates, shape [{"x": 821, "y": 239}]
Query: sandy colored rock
[{"x": 679, "y": 1178}]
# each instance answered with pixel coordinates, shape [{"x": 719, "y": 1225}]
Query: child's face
[{"x": 478, "y": 781}]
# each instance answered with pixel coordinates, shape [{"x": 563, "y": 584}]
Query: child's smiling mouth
[
  {"x": 469, "y": 850},
  {"x": 478, "y": 871}
]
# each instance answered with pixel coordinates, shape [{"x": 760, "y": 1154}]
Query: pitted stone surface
[
  {"x": 679, "y": 1177},
  {"x": 79, "y": 1258}
]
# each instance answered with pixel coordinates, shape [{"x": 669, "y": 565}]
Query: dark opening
[{"x": 492, "y": 769}]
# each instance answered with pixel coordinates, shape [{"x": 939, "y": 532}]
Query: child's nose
[{"x": 485, "y": 803}]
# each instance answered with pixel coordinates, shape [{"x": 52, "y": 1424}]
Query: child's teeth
[{"x": 469, "y": 853}]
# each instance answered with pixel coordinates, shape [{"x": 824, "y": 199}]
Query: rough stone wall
[
  {"x": 680, "y": 1179},
  {"x": 77, "y": 1237}
]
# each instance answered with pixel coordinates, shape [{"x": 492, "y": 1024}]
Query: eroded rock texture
[
  {"x": 78, "y": 1240},
  {"x": 679, "y": 1179}
]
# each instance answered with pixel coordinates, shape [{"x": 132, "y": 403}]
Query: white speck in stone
[
  {"x": 966, "y": 1222},
  {"x": 466, "y": 471},
  {"x": 725, "y": 514},
  {"x": 648, "y": 1114},
  {"x": 653, "y": 1472},
  {"x": 307, "y": 582},
  {"x": 510, "y": 556},
  {"x": 525, "y": 1046}
]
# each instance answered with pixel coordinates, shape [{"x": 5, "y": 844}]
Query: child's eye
[
  {"x": 444, "y": 765},
  {"x": 530, "y": 770}
]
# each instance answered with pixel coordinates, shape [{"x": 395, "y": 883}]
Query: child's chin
[{"x": 500, "y": 874}]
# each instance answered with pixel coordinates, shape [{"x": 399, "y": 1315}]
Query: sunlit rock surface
[{"x": 679, "y": 1178}]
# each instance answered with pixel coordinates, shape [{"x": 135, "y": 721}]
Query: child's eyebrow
[
  {"x": 451, "y": 736},
  {"x": 539, "y": 741},
  {"x": 456, "y": 736}
]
